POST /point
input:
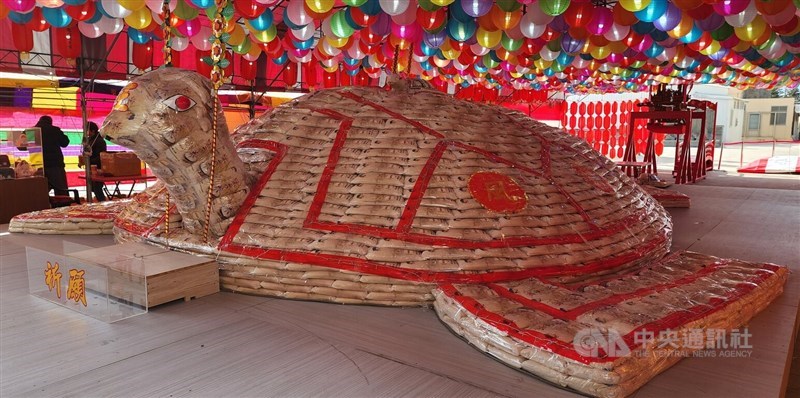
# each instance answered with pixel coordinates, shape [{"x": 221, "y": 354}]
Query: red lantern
[
  {"x": 202, "y": 67},
  {"x": 361, "y": 79},
  {"x": 68, "y": 41},
  {"x": 360, "y": 18},
  {"x": 369, "y": 37},
  {"x": 249, "y": 9},
  {"x": 344, "y": 78},
  {"x": 623, "y": 16},
  {"x": 578, "y": 14},
  {"x": 290, "y": 74},
  {"x": 228, "y": 70},
  {"x": 431, "y": 20},
  {"x": 247, "y": 69},
  {"x": 37, "y": 22},
  {"x": 176, "y": 58},
  {"x": 310, "y": 74},
  {"x": 329, "y": 79},
  {"x": 702, "y": 12},
  {"x": 81, "y": 12},
  {"x": 142, "y": 55},
  {"x": 23, "y": 37}
]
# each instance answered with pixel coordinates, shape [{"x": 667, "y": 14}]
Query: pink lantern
[
  {"x": 601, "y": 21},
  {"x": 190, "y": 28},
  {"x": 201, "y": 39},
  {"x": 408, "y": 32},
  {"x": 20, "y": 6},
  {"x": 297, "y": 13},
  {"x": 408, "y": 16}
]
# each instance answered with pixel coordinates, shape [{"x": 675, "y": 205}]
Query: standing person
[
  {"x": 53, "y": 139},
  {"x": 95, "y": 144}
]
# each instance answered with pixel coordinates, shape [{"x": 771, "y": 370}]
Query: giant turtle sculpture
[{"x": 530, "y": 245}]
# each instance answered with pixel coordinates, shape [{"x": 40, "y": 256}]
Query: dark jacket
[
  {"x": 98, "y": 145},
  {"x": 53, "y": 139}
]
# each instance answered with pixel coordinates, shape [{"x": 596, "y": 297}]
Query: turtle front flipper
[{"x": 610, "y": 336}]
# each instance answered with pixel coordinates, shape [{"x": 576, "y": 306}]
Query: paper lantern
[
  {"x": 91, "y": 31},
  {"x": 22, "y": 37},
  {"x": 38, "y": 23},
  {"x": 20, "y": 6},
  {"x": 770, "y": 7},
  {"x": 431, "y": 20},
  {"x": 578, "y": 14},
  {"x": 82, "y": 12},
  {"x": 475, "y": 8},
  {"x": 50, "y": 3},
  {"x": 68, "y": 41},
  {"x": 142, "y": 55},
  {"x": 505, "y": 20},
  {"x": 252, "y": 9},
  {"x": 742, "y": 18},
  {"x": 57, "y": 17},
  {"x": 553, "y": 7},
  {"x": 601, "y": 21},
  {"x": 139, "y": 19},
  {"x": 653, "y": 11},
  {"x": 407, "y": 17},
  {"x": 114, "y": 9}
]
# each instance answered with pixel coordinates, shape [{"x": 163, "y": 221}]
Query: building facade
[{"x": 767, "y": 118}]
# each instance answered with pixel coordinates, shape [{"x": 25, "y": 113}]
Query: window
[
  {"x": 754, "y": 121},
  {"x": 777, "y": 116}
]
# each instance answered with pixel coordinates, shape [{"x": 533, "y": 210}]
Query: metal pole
[
  {"x": 251, "y": 105},
  {"x": 741, "y": 154},
  {"x": 85, "y": 119}
]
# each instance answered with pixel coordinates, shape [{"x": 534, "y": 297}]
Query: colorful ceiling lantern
[{"x": 569, "y": 45}]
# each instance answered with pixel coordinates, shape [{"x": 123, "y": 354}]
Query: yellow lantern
[
  {"x": 488, "y": 38},
  {"x": 139, "y": 19},
  {"x": 634, "y": 5},
  {"x": 320, "y": 6}
]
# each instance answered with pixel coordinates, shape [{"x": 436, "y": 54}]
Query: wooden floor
[{"x": 231, "y": 345}]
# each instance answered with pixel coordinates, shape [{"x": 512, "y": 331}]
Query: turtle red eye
[{"x": 179, "y": 102}]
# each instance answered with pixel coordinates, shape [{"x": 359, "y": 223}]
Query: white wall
[{"x": 730, "y": 109}]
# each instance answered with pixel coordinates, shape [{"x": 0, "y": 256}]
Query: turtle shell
[{"x": 411, "y": 186}]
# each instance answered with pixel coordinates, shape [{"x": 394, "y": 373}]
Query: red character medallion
[{"x": 497, "y": 192}]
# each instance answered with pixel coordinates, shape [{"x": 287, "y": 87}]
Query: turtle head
[
  {"x": 166, "y": 116},
  {"x": 162, "y": 105}
]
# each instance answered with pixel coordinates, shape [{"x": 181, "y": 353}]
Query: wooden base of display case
[{"x": 166, "y": 275}]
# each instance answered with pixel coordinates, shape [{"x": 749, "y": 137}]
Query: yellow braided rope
[
  {"x": 167, "y": 28},
  {"x": 410, "y": 57},
  {"x": 394, "y": 61},
  {"x": 167, "y": 62},
  {"x": 217, "y": 74}
]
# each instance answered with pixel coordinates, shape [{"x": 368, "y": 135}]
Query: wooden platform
[
  {"x": 168, "y": 275},
  {"x": 231, "y": 345}
]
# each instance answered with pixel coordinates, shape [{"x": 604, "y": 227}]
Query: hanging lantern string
[
  {"x": 217, "y": 74},
  {"x": 167, "y": 28},
  {"x": 394, "y": 61},
  {"x": 410, "y": 57}
]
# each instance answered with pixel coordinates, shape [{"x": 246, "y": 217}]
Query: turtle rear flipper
[
  {"x": 84, "y": 219},
  {"x": 609, "y": 336}
]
